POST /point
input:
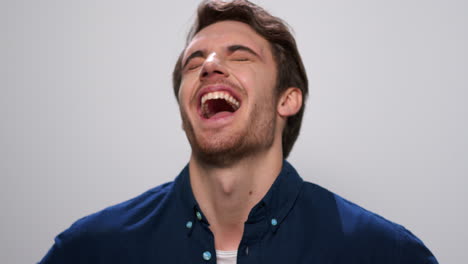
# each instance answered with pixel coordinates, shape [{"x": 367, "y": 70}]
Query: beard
[{"x": 224, "y": 149}]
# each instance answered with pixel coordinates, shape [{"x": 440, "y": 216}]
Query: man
[{"x": 241, "y": 87}]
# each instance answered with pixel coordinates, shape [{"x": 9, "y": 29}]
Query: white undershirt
[{"x": 226, "y": 257}]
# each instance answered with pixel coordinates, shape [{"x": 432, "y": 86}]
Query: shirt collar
[
  {"x": 274, "y": 207},
  {"x": 281, "y": 197}
]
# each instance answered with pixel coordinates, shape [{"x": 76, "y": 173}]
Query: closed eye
[
  {"x": 193, "y": 67},
  {"x": 240, "y": 59},
  {"x": 194, "y": 63},
  {"x": 241, "y": 56},
  {"x": 242, "y": 53}
]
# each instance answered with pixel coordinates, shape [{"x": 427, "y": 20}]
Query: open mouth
[{"x": 218, "y": 103}]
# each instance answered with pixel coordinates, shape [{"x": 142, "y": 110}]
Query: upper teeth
[{"x": 219, "y": 95}]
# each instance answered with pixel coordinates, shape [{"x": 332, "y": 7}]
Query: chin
[
  {"x": 225, "y": 152},
  {"x": 219, "y": 152},
  {"x": 224, "y": 147}
]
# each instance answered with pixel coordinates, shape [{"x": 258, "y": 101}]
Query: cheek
[
  {"x": 180, "y": 95},
  {"x": 260, "y": 81},
  {"x": 184, "y": 91},
  {"x": 183, "y": 101},
  {"x": 249, "y": 78},
  {"x": 268, "y": 80}
]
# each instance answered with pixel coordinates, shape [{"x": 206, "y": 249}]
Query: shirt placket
[{"x": 201, "y": 240}]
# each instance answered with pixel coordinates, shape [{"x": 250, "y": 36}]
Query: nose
[{"x": 213, "y": 67}]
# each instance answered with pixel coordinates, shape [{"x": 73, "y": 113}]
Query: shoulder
[
  {"x": 109, "y": 225},
  {"x": 352, "y": 220},
  {"x": 364, "y": 232},
  {"x": 125, "y": 213}
]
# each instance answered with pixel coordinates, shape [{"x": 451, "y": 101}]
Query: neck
[{"x": 226, "y": 195}]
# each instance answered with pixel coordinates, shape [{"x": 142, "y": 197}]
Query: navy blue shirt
[{"x": 296, "y": 222}]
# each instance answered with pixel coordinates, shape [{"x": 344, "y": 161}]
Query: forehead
[{"x": 225, "y": 33}]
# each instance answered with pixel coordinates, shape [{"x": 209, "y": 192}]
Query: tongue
[{"x": 220, "y": 114}]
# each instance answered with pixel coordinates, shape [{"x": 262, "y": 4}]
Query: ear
[{"x": 290, "y": 102}]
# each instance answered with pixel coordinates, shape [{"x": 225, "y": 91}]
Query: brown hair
[{"x": 290, "y": 69}]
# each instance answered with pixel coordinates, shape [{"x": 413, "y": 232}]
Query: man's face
[{"x": 227, "y": 99}]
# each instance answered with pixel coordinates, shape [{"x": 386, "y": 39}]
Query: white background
[{"x": 88, "y": 117}]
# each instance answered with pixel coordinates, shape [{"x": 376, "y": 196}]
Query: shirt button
[
  {"x": 206, "y": 255},
  {"x": 274, "y": 222},
  {"x": 189, "y": 224},
  {"x": 198, "y": 215}
]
